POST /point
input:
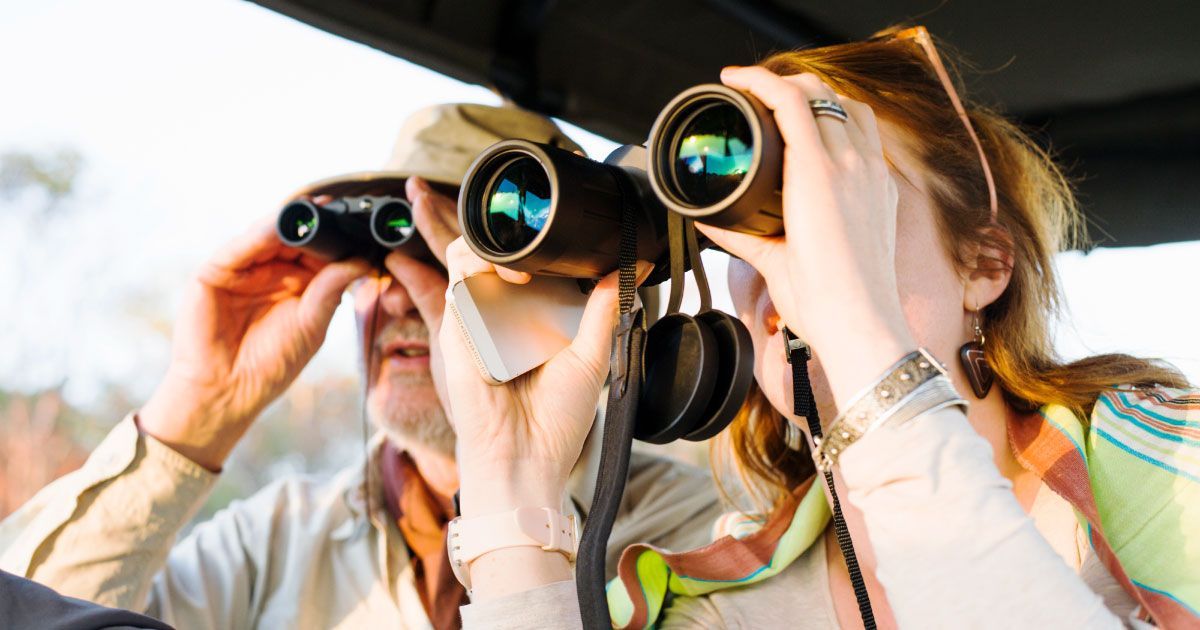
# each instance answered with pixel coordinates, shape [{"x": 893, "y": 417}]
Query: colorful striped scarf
[{"x": 1132, "y": 475}]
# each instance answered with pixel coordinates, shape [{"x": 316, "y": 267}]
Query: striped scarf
[{"x": 1132, "y": 475}]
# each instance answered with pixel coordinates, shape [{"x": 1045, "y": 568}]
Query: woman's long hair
[{"x": 1037, "y": 217}]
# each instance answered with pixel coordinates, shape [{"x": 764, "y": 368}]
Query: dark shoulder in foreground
[{"x": 27, "y": 604}]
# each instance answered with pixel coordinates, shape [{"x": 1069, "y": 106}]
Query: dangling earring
[
  {"x": 979, "y": 373},
  {"x": 792, "y": 436}
]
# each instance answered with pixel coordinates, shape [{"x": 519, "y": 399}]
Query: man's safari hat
[{"x": 439, "y": 143}]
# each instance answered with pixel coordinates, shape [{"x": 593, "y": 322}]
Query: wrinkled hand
[
  {"x": 518, "y": 441},
  {"x": 832, "y": 275},
  {"x": 251, "y": 320}
]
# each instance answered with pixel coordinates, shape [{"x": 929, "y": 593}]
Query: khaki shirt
[{"x": 301, "y": 553}]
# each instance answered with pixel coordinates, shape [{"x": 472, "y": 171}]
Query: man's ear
[{"x": 990, "y": 269}]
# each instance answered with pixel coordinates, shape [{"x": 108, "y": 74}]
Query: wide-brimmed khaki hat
[{"x": 439, "y": 143}]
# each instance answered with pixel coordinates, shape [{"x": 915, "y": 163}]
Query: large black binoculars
[
  {"x": 714, "y": 156},
  {"x": 365, "y": 226}
]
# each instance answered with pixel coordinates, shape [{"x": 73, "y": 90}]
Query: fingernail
[{"x": 643, "y": 270}]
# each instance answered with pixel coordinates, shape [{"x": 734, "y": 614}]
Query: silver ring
[{"x": 833, "y": 109}]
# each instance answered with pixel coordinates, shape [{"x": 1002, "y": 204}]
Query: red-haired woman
[{"x": 918, "y": 230}]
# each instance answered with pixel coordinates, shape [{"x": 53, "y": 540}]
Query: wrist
[
  {"x": 482, "y": 493},
  {"x": 196, "y": 427},
  {"x": 853, "y": 356},
  {"x": 514, "y": 570}
]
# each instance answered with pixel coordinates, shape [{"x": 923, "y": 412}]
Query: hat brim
[{"x": 367, "y": 183}]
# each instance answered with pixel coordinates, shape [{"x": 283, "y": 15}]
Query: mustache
[{"x": 412, "y": 329}]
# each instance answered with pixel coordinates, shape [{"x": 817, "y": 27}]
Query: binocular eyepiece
[
  {"x": 715, "y": 156},
  {"x": 366, "y": 226}
]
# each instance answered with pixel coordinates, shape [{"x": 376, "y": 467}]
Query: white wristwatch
[{"x": 469, "y": 538}]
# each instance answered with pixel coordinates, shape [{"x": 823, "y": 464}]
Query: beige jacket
[{"x": 301, "y": 553}]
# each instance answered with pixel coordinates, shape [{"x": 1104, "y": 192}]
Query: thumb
[
  {"x": 425, "y": 285},
  {"x": 749, "y": 247},
  {"x": 594, "y": 340},
  {"x": 324, "y": 292}
]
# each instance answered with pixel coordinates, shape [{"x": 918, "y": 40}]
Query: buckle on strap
[{"x": 796, "y": 345}]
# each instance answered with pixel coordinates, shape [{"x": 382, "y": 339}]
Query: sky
[{"x": 198, "y": 117}]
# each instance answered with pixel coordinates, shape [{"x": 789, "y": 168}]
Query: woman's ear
[{"x": 991, "y": 269}]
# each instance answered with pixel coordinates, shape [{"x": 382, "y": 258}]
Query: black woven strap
[
  {"x": 620, "y": 417},
  {"x": 804, "y": 405}
]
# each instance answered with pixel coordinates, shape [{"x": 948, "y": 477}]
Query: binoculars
[
  {"x": 366, "y": 226},
  {"x": 714, "y": 156}
]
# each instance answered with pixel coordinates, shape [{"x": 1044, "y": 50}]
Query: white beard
[{"x": 426, "y": 426}]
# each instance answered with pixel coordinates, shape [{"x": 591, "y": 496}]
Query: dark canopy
[{"x": 1113, "y": 87}]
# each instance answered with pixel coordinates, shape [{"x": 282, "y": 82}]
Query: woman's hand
[
  {"x": 518, "y": 441},
  {"x": 832, "y": 275}
]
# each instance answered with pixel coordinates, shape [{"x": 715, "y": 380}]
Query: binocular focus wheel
[
  {"x": 680, "y": 367},
  {"x": 735, "y": 373}
]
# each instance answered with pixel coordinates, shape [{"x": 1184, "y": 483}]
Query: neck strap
[{"x": 804, "y": 405}]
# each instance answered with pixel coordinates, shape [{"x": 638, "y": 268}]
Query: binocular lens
[
  {"x": 297, "y": 223},
  {"x": 518, "y": 204},
  {"x": 392, "y": 223},
  {"x": 717, "y": 157},
  {"x": 713, "y": 152},
  {"x": 544, "y": 210}
]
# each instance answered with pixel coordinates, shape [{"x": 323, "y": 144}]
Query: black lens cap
[
  {"x": 735, "y": 373},
  {"x": 679, "y": 368}
]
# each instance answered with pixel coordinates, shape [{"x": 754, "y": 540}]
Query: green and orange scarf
[{"x": 1132, "y": 475}]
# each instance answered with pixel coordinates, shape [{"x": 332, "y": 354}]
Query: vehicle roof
[{"x": 1112, "y": 87}]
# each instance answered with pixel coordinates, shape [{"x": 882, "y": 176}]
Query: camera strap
[
  {"x": 804, "y": 405},
  {"x": 619, "y": 421}
]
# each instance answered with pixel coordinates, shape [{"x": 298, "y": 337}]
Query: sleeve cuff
[
  {"x": 553, "y": 606},
  {"x": 168, "y": 487},
  {"x": 171, "y": 461}
]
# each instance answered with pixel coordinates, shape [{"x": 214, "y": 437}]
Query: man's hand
[
  {"x": 436, "y": 218},
  {"x": 251, "y": 320}
]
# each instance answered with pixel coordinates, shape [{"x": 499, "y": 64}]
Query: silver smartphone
[{"x": 513, "y": 328}]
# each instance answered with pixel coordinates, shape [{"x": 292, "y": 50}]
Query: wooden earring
[{"x": 974, "y": 361}]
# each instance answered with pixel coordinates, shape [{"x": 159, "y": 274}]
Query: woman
[{"x": 903, "y": 231}]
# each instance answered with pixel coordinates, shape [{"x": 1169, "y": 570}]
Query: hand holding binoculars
[{"x": 714, "y": 156}]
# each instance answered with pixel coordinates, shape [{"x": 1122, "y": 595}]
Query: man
[{"x": 355, "y": 551}]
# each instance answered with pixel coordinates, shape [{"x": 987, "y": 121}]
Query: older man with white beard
[{"x": 355, "y": 551}]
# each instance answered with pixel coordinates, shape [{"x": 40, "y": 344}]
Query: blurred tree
[
  {"x": 54, "y": 174},
  {"x": 39, "y": 444}
]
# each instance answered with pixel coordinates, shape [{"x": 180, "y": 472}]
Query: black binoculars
[
  {"x": 714, "y": 156},
  {"x": 366, "y": 226}
]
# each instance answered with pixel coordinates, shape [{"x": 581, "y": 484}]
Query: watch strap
[{"x": 470, "y": 538}]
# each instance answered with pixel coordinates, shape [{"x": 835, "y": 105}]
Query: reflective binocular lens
[
  {"x": 716, "y": 157},
  {"x": 392, "y": 223},
  {"x": 298, "y": 223},
  {"x": 350, "y": 226},
  {"x": 545, "y": 210},
  {"x": 516, "y": 204}
]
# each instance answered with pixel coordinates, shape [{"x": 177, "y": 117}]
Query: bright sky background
[{"x": 197, "y": 117}]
